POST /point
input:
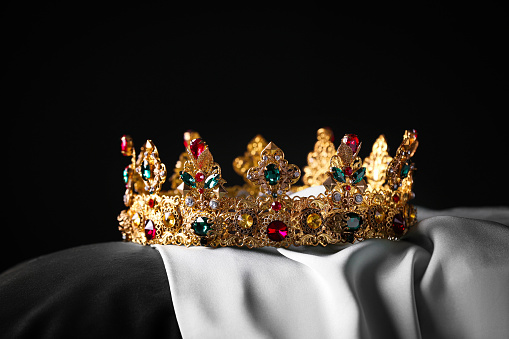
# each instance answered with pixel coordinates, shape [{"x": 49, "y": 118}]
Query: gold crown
[{"x": 362, "y": 199}]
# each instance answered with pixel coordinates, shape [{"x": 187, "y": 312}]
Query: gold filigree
[
  {"x": 357, "y": 203},
  {"x": 250, "y": 158},
  {"x": 318, "y": 161},
  {"x": 377, "y": 162}
]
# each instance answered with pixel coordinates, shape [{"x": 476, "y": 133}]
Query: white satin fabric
[{"x": 448, "y": 278}]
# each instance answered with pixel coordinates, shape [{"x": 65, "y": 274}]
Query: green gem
[
  {"x": 126, "y": 174},
  {"x": 211, "y": 181},
  {"x": 338, "y": 174},
  {"x": 201, "y": 226},
  {"x": 359, "y": 175},
  {"x": 146, "y": 171},
  {"x": 404, "y": 170},
  {"x": 187, "y": 179},
  {"x": 354, "y": 221},
  {"x": 272, "y": 174}
]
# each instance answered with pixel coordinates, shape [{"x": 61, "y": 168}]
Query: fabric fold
[{"x": 447, "y": 278}]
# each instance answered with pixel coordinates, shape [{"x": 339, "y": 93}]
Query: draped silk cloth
[{"x": 448, "y": 278}]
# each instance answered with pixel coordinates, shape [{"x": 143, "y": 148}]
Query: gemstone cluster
[{"x": 363, "y": 198}]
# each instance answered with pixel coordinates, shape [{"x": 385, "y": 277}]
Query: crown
[{"x": 361, "y": 198}]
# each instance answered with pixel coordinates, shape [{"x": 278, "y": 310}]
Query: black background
[{"x": 77, "y": 77}]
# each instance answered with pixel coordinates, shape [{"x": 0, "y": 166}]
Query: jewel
[
  {"x": 379, "y": 215},
  {"x": 358, "y": 198},
  {"x": 169, "y": 219},
  {"x": 277, "y": 230},
  {"x": 201, "y": 190},
  {"x": 190, "y": 135},
  {"x": 352, "y": 141},
  {"x": 272, "y": 174},
  {"x": 354, "y": 221},
  {"x": 398, "y": 224},
  {"x": 336, "y": 196},
  {"x": 314, "y": 220},
  {"x": 213, "y": 204},
  {"x": 271, "y": 149},
  {"x": 404, "y": 170},
  {"x": 151, "y": 203},
  {"x": 276, "y": 206},
  {"x": 359, "y": 175},
  {"x": 212, "y": 181},
  {"x": 136, "y": 220},
  {"x": 199, "y": 177},
  {"x": 201, "y": 226},
  {"x": 197, "y": 146},
  {"x": 338, "y": 174},
  {"x": 348, "y": 170},
  {"x": 189, "y": 201},
  {"x": 127, "y": 172},
  {"x": 220, "y": 191},
  {"x": 395, "y": 198},
  {"x": 126, "y": 145},
  {"x": 361, "y": 186},
  {"x": 183, "y": 188},
  {"x": 146, "y": 171},
  {"x": 187, "y": 179},
  {"x": 245, "y": 220},
  {"x": 150, "y": 230},
  {"x": 347, "y": 187}
]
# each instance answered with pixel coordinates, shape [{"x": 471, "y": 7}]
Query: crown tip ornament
[{"x": 363, "y": 198}]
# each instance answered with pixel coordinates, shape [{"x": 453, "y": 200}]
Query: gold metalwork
[
  {"x": 363, "y": 199},
  {"x": 315, "y": 173},
  {"x": 377, "y": 162}
]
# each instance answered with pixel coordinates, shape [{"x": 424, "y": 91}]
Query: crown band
[{"x": 362, "y": 199}]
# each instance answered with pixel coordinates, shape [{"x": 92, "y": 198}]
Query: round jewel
[
  {"x": 358, "y": 198},
  {"x": 189, "y": 201},
  {"x": 213, "y": 204},
  {"x": 314, "y": 220},
  {"x": 245, "y": 220},
  {"x": 277, "y": 230},
  {"x": 336, "y": 196}
]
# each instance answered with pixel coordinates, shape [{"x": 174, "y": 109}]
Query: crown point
[
  {"x": 352, "y": 141},
  {"x": 197, "y": 146},
  {"x": 325, "y": 133},
  {"x": 271, "y": 148}
]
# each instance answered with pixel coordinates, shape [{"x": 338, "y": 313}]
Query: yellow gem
[
  {"x": 379, "y": 215},
  {"x": 169, "y": 219},
  {"x": 136, "y": 219},
  {"x": 245, "y": 220},
  {"x": 314, "y": 221}
]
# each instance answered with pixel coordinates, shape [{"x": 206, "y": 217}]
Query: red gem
[
  {"x": 276, "y": 206},
  {"x": 348, "y": 170},
  {"x": 199, "y": 177},
  {"x": 347, "y": 187},
  {"x": 395, "y": 198},
  {"x": 277, "y": 230},
  {"x": 201, "y": 190},
  {"x": 150, "y": 230},
  {"x": 196, "y": 147},
  {"x": 352, "y": 141},
  {"x": 398, "y": 224},
  {"x": 151, "y": 203},
  {"x": 124, "y": 145}
]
